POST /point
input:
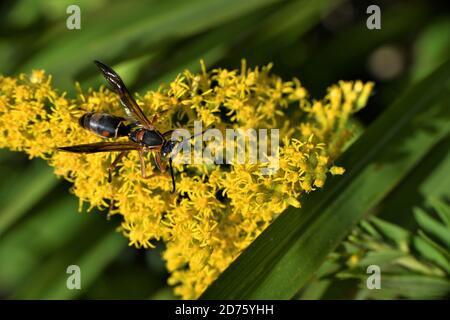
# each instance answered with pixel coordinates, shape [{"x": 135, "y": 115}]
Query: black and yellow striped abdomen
[{"x": 104, "y": 125}]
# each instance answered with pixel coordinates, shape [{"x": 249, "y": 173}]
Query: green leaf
[
  {"x": 290, "y": 22},
  {"x": 430, "y": 250},
  {"x": 295, "y": 17},
  {"x": 28, "y": 188},
  {"x": 144, "y": 25},
  {"x": 282, "y": 259},
  {"x": 442, "y": 209},
  {"x": 431, "y": 226},
  {"x": 425, "y": 181},
  {"x": 399, "y": 19},
  {"x": 366, "y": 226},
  {"x": 382, "y": 257},
  {"x": 414, "y": 286},
  {"x": 91, "y": 264},
  {"x": 391, "y": 231},
  {"x": 48, "y": 280},
  {"x": 49, "y": 229},
  {"x": 431, "y": 47},
  {"x": 315, "y": 290}
]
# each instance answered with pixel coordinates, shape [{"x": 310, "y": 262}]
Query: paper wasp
[{"x": 142, "y": 134}]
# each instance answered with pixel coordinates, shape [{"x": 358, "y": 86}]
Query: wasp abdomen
[{"x": 104, "y": 125}]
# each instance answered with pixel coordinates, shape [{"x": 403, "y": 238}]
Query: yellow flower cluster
[{"x": 217, "y": 210}]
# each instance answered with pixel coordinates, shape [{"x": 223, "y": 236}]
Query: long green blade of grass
[
  {"x": 91, "y": 263},
  {"x": 28, "y": 189},
  {"x": 290, "y": 251},
  {"x": 49, "y": 229},
  {"x": 131, "y": 33}
]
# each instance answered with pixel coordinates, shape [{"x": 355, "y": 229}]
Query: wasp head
[{"x": 167, "y": 148}]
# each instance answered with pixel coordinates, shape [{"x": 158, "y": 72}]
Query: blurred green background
[{"x": 148, "y": 43}]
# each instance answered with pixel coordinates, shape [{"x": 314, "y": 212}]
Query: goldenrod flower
[{"x": 217, "y": 210}]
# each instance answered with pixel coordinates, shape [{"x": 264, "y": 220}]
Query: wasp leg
[
  {"x": 141, "y": 158},
  {"x": 167, "y": 134},
  {"x": 114, "y": 164},
  {"x": 161, "y": 166},
  {"x": 171, "y": 174}
]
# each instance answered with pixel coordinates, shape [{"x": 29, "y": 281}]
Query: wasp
[{"x": 141, "y": 132}]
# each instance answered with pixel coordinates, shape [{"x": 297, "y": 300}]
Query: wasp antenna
[
  {"x": 171, "y": 174},
  {"x": 201, "y": 133}
]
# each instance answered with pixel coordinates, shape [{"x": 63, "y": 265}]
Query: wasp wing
[
  {"x": 101, "y": 147},
  {"x": 131, "y": 107}
]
